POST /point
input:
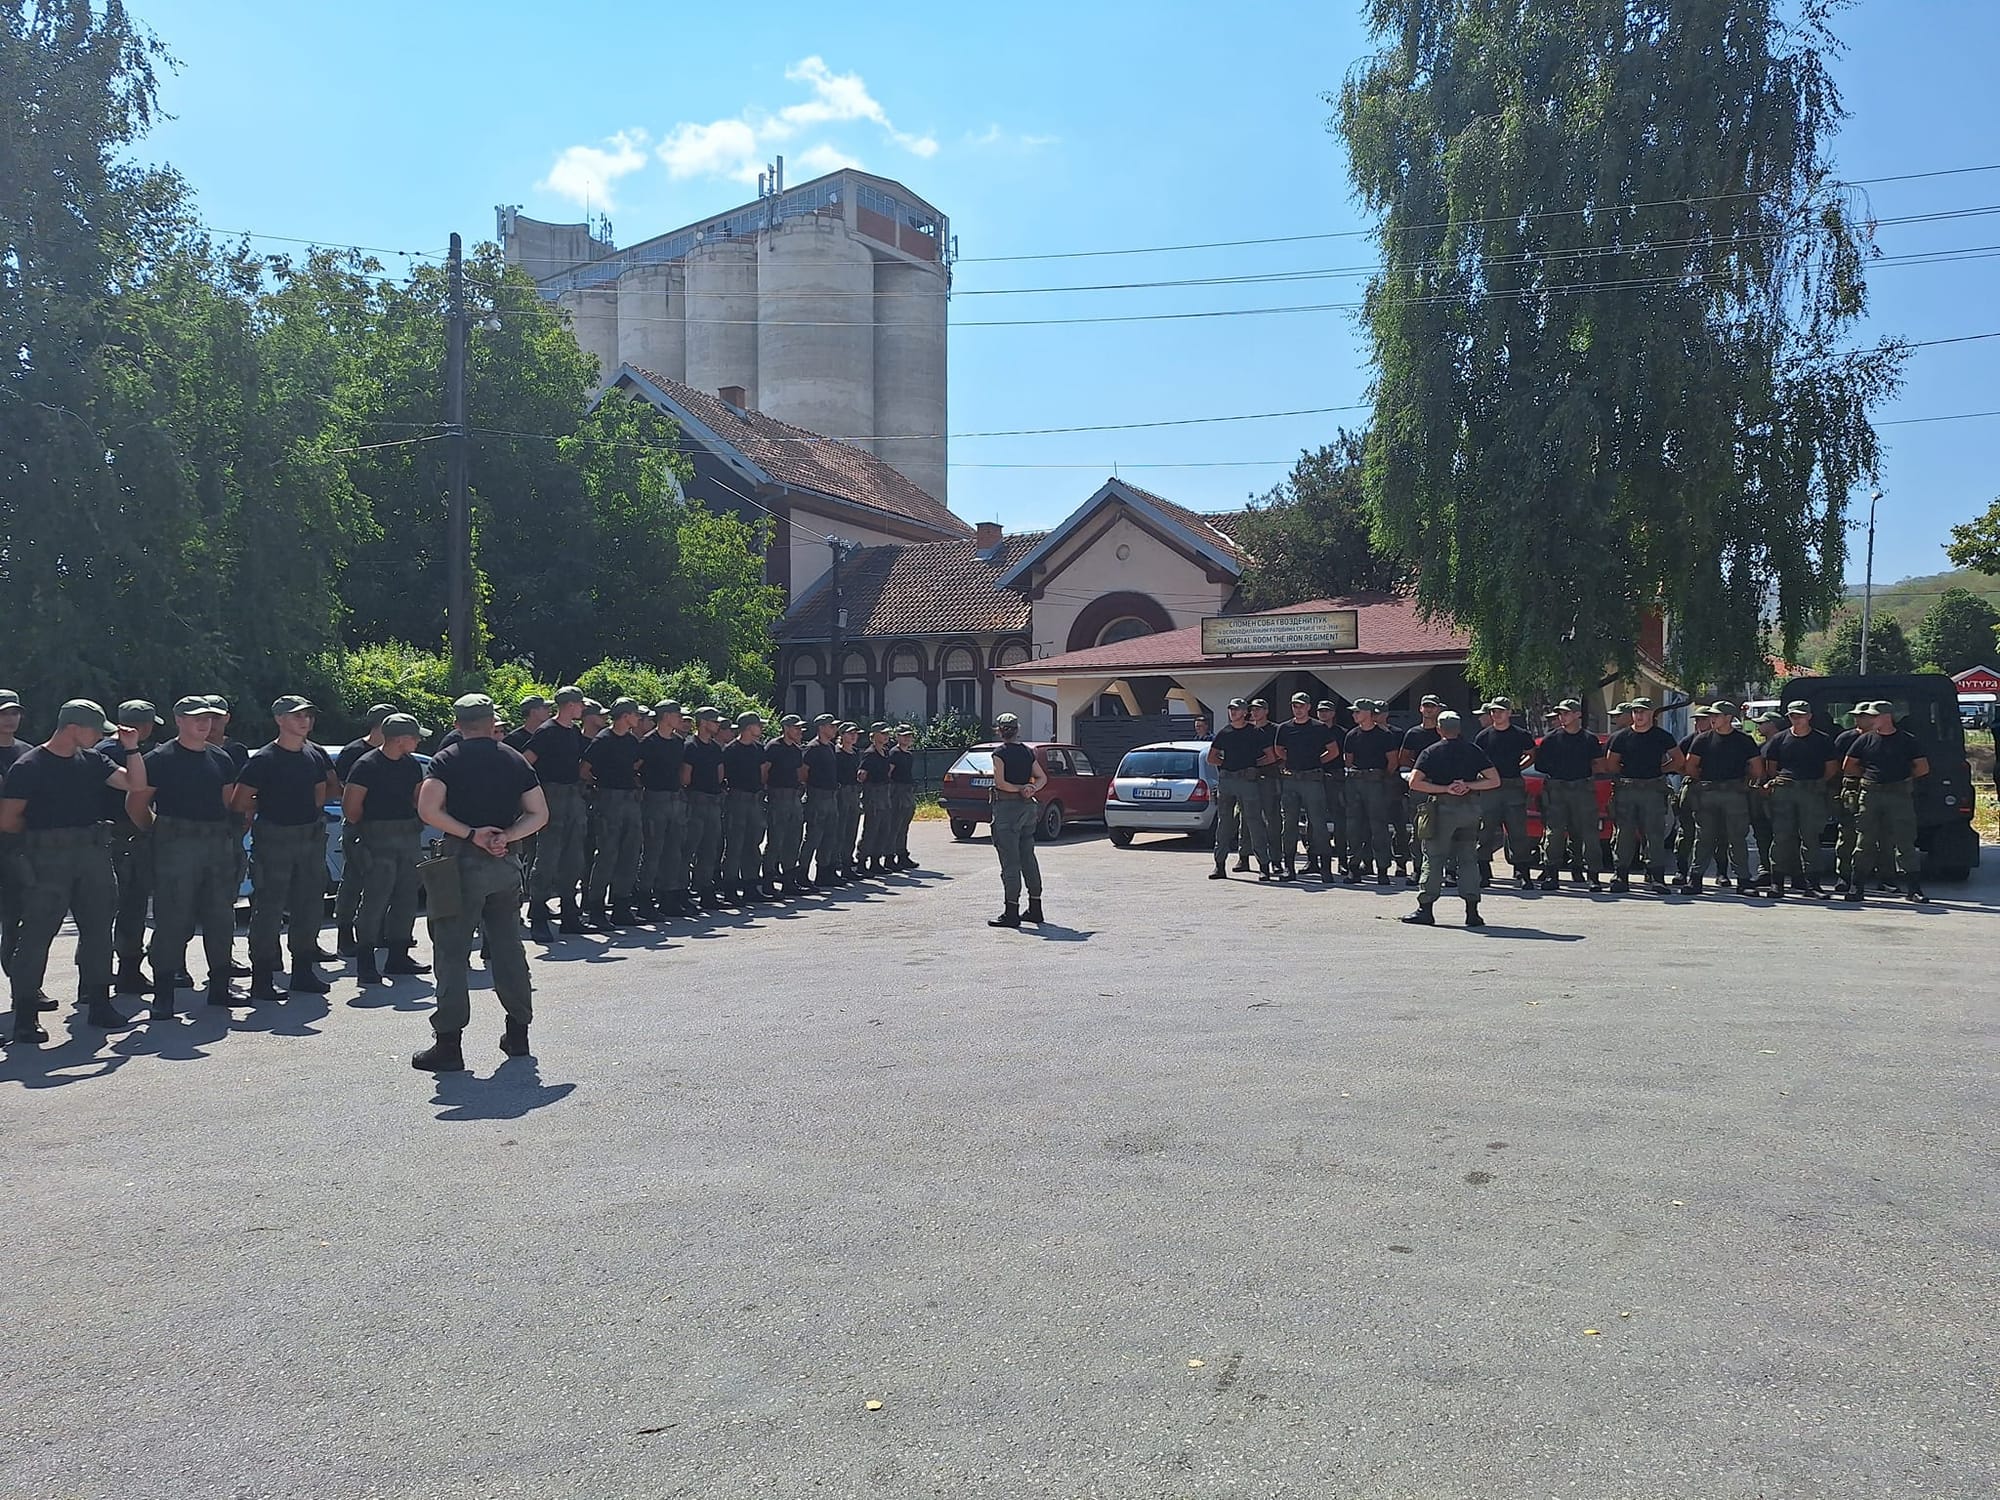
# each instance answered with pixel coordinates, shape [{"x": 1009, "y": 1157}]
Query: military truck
[{"x": 1926, "y": 704}]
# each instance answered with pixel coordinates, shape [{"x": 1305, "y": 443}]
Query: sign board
[
  {"x": 1264, "y": 635},
  {"x": 1978, "y": 680}
]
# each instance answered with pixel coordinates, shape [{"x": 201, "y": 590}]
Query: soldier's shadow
[
  {"x": 1049, "y": 933},
  {"x": 514, "y": 1089},
  {"x": 86, "y": 1054}
]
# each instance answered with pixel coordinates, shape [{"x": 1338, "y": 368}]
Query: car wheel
[
  {"x": 1122, "y": 837},
  {"x": 1050, "y": 826},
  {"x": 961, "y": 830}
]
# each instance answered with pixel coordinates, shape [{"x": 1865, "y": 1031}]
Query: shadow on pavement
[{"x": 515, "y": 1089}]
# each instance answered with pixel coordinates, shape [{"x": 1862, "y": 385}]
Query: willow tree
[{"x": 1612, "y": 326}]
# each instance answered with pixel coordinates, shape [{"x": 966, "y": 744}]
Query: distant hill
[{"x": 1906, "y": 601}]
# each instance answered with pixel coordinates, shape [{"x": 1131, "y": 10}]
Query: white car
[{"x": 1167, "y": 787}]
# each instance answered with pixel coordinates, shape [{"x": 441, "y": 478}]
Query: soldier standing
[
  {"x": 1888, "y": 762},
  {"x": 1687, "y": 804},
  {"x": 482, "y": 796},
  {"x": 1448, "y": 780},
  {"x": 878, "y": 839},
  {"x": 379, "y": 801},
  {"x": 1017, "y": 777},
  {"x": 1800, "y": 765},
  {"x": 347, "y": 898},
  {"x": 745, "y": 772},
  {"x": 1770, "y": 724},
  {"x": 1640, "y": 758},
  {"x": 784, "y": 808},
  {"x": 535, "y": 712},
  {"x": 850, "y": 800},
  {"x": 822, "y": 781},
  {"x": 1371, "y": 767},
  {"x": 131, "y": 857},
  {"x": 11, "y": 750},
  {"x": 1335, "y": 779},
  {"x": 1269, "y": 804},
  {"x": 611, "y": 766},
  {"x": 1847, "y": 799},
  {"x": 1402, "y": 807},
  {"x": 1303, "y": 747},
  {"x": 1567, "y": 757},
  {"x": 705, "y": 788},
  {"x": 195, "y": 840},
  {"x": 1722, "y": 761},
  {"x": 1503, "y": 811},
  {"x": 903, "y": 792},
  {"x": 555, "y": 751},
  {"x": 284, "y": 788},
  {"x": 1234, "y": 752},
  {"x": 663, "y": 772}
]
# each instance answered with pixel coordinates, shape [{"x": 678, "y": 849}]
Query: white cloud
[
  {"x": 993, "y": 137},
  {"x": 587, "y": 174},
  {"x": 839, "y": 97},
  {"x": 816, "y": 160},
  {"x": 721, "y": 148}
]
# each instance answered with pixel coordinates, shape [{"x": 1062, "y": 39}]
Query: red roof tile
[
  {"x": 1388, "y": 628},
  {"x": 1215, "y": 529},
  {"x": 921, "y": 588},
  {"x": 807, "y": 460}
]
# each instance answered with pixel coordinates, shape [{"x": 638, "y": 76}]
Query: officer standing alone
[
  {"x": 1017, "y": 777},
  {"x": 1447, "y": 782}
]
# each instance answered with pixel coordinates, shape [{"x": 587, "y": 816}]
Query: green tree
[
  {"x": 1610, "y": 332},
  {"x": 1309, "y": 537},
  {"x": 1976, "y": 544},
  {"x": 1888, "y": 648},
  {"x": 1956, "y": 632}
]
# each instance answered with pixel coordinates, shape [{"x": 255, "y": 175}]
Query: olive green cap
[
  {"x": 570, "y": 695},
  {"x": 1305, "y": 698},
  {"x": 791, "y": 721},
  {"x": 9, "y": 699},
  {"x": 1259, "y": 703},
  {"x": 819, "y": 719},
  {"x": 292, "y": 703},
  {"x": 667, "y": 706},
  {"x": 1501, "y": 702},
  {"x": 1430, "y": 700},
  {"x": 709, "y": 713},
  {"x": 1798, "y": 707},
  {"x": 1641, "y": 705},
  {"x": 1323, "y": 704},
  {"x": 194, "y": 706},
  {"x": 84, "y": 711},
  {"x": 623, "y": 707},
  {"x": 1005, "y": 719},
  {"x": 1770, "y": 716},
  {"x": 134, "y": 712},
  {"x": 474, "y": 708},
  {"x": 1570, "y": 706},
  {"x": 400, "y": 726},
  {"x": 745, "y": 720},
  {"x": 1722, "y": 706},
  {"x": 379, "y": 714},
  {"x": 592, "y": 706},
  {"x": 532, "y": 702}
]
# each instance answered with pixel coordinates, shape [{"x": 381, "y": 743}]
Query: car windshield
[
  {"x": 973, "y": 763},
  {"x": 1179, "y": 764},
  {"x": 1925, "y": 719}
]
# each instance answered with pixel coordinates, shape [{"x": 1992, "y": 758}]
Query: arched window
[
  {"x": 958, "y": 662},
  {"x": 1124, "y": 628},
  {"x": 961, "y": 682},
  {"x": 904, "y": 662},
  {"x": 1013, "y": 656}
]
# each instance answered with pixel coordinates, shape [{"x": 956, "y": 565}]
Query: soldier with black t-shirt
[
  {"x": 1235, "y": 752},
  {"x": 347, "y": 900},
  {"x": 284, "y": 786},
  {"x": 850, "y": 799},
  {"x": 878, "y": 838},
  {"x": 1267, "y": 782},
  {"x": 1373, "y": 791},
  {"x": 1721, "y": 762},
  {"x": 131, "y": 858},
  {"x": 1449, "y": 779},
  {"x": 1017, "y": 776},
  {"x": 1402, "y": 808},
  {"x": 1888, "y": 762},
  {"x": 11, "y": 750},
  {"x": 1503, "y": 812},
  {"x": 705, "y": 791},
  {"x": 52, "y": 798},
  {"x": 1328, "y": 714},
  {"x": 663, "y": 867},
  {"x": 1303, "y": 747},
  {"x": 380, "y": 803},
  {"x": 822, "y": 780},
  {"x": 1800, "y": 766},
  {"x": 611, "y": 766},
  {"x": 743, "y": 771},
  {"x": 784, "y": 806},
  {"x": 1567, "y": 757},
  {"x": 195, "y": 839},
  {"x": 1640, "y": 758},
  {"x": 1847, "y": 799},
  {"x": 555, "y": 750},
  {"x": 483, "y": 797},
  {"x": 903, "y": 786}
]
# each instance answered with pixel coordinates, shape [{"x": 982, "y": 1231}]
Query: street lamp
[{"x": 1868, "y": 583}]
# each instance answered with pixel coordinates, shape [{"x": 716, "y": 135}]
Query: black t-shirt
[
  {"x": 1802, "y": 757},
  {"x": 1370, "y": 749},
  {"x": 1015, "y": 761},
  {"x": 1506, "y": 748},
  {"x": 1303, "y": 744},
  {"x": 1642, "y": 753},
  {"x": 903, "y": 767},
  {"x": 1452, "y": 760},
  {"x": 704, "y": 763},
  {"x": 451, "y": 737},
  {"x": 483, "y": 782},
  {"x": 61, "y": 791},
  {"x": 11, "y": 753},
  {"x": 191, "y": 784},
  {"x": 349, "y": 754},
  {"x": 1724, "y": 757},
  {"x": 517, "y": 739},
  {"x": 876, "y": 767},
  {"x": 1843, "y": 744},
  {"x": 784, "y": 759},
  {"x": 1238, "y": 746},
  {"x": 238, "y": 753},
  {"x": 112, "y": 807},
  {"x": 288, "y": 783},
  {"x": 846, "y": 766},
  {"x": 1562, "y": 756},
  {"x": 391, "y": 784},
  {"x": 558, "y": 751},
  {"x": 1338, "y": 737},
  {"x": 614, "y": 760},
  {"x": 822, "y": 765},
  {"x": 1685, "y": 744},
  {"x": 1887, "y": 758},
  {"x": 661, "y": 757},
  {"x": 743, "y": 766},
  {"x": 1419, "y": 739}
]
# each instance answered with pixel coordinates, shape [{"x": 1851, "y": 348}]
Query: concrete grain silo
[
  {"x": 652, "y": 319},
  {"x": 910, "y": 406},
  {"x": 722, "y": 316},
  {"x": 593, "y": 318},
  {"x": 816, "y": 328}
]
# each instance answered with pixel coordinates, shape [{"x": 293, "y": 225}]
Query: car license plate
[
  {"x": 982, "y": 781},
  {"x": 1155, "y": 793}
]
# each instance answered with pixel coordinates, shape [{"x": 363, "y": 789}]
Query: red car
[
  {"x": 1532, "y": 780},
  {"x": 1074, "y": 794}
]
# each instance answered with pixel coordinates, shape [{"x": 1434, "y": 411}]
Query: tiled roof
[
  {"x": 807, "y": 460},
  {"x": 1388, "y": 629},
  {"x": 921, "y": 588},
  {"x": 1217, "y": 529}
]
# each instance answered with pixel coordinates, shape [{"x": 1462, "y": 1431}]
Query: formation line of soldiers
[{"x": 1342, "y": 792}]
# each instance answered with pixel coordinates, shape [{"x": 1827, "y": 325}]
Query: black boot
[
  {"x": 443, "y": 1055},
  {"x": 1421, "y": 917},
  {"x": 403, "y": 961},
  {"x": 1472, "y": 917},
  {"x": 572, "y": 924},
  {"x": 261, "y": 987},
  {"x": 1011, "y": 917},
  {"x": 1034, "y": 911},
  {"x": 514, "y": 1040},
  {"x": 345, "y": 945},
  {"x": 1914, "y": 892},
  {"x": 26, "y": 1027},
  {"x": 219, "y": 992},
  {"x": 538, "y": 924},
  {"x": 132, "y": 980},
  {"x": 101, "y": 1012},
  {"x": 1620, "y": 884},
  {"x": 1218, "y": 873},
  {"x": 623, "y": 916},
  {"x": 305, "y": 982},
  {"x": 365, "y": 973},
  {"x": 1382, "y": 878}
]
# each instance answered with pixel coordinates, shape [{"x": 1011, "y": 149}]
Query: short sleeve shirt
[
  {"x": 1452, "y": 760},
  {"x": 1418, "y": 739},
  {"x": 1303, "y": 744},
  {"x": 1369, "y": 749},
  {"x": 288, "y": 783},
  {"x": 11, "y": 753},
  {"x": 1505, "y": 748},
  {"x": 704, "y": 761},
  {"x": 1237, "y": 747},
  {"x": 1642, "y": 753},
  {"x": 846, "y": 764},
  {"x": 483, "y": 782},
  {"x": 743, "y": 766},
  {"x": 1887, "y": 758},
  {"x": 1015, "y": 761},
  {"x": 62, "y": 791},
  {"x": 391, "y": 786},
  {"x": 784, "y": 759},
  {"x": 350, "y": 754},
  {"x": 877, "y": 766},
  {"x": 1562, "y": 756},
  {"x": 1802, "y": 757},
  {"x": 558, "y": 751},
  {"x": 822, "y": 766},
  {"x": 661, "y": 757},
  {"x": 1724, "y": 757},
  {"x": 903, "y": 767},
  {"x": 113, "y": 805},
  {"x": 191, "y": 784},
  {"x": 614, "y": 760}
]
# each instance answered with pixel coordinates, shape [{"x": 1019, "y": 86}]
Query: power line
[
  {"x": 429, "y": 437},
  {"x": 291, "y": 239}
]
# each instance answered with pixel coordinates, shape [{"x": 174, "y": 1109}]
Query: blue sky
[{"x": 1037, "y": 128}]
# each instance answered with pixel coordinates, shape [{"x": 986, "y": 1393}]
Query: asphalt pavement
[{"x": 1201, "y": 1190}]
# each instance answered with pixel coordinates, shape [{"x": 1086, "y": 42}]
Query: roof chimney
[
  {"x": 989, "y": 535},
  {"x": 734, "y": 395}
]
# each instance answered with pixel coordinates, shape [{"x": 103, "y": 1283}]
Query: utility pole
[
  {"x": 835, "y": 664},
  {"x": 458, "y": 541},
  {"x": 1868, "y": 584}
]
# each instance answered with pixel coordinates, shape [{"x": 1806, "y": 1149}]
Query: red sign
[{"x": 1978, "y": 680}]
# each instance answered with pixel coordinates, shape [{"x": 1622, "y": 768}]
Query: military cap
[
  {"x": 1721, "y": 706},
  {"x": 1239, "y": 703},
  {"x": 1622, "y": 706},
  {"x": 878, "y": 728},
  {"x": 136, "y": 711},
  {"x": 746, "y": 719},
  {"x": 1570, "y": 706},
  {"x": 1873, "y": 706},
  {"x": 1770, "y": 716},
  {"x": 848, "y": 726},
  {"x": 378, "y": 713},
  {"x": 622, "y": 707},
  {"x": 1506, "y": 703},
  {"x": 903, "y": 729},
  {"x": 398, "y": 725},
  {"x": 1448, "y": 717},
  {"x": 83, "y": 711},
  {"x": 667, "y": 706},
  {"x": 712, "y": 715},
  {"x": 1431, "y": 700},
  {"x": 1008, "y": 719},
  {"x": 1305, "y": 698},
  {"x": 194, "y": 706},
  {"x": 292, "y": 703},
  {"x": 9, "y": 699},
  {"x": 1323, "y": 703},
  {"x": 819, "y": 719},
  {"x": 569, "y": 695},
  {"x": 592, "y": 706},
  {"x": 1638, "y": 705},
  {"x": 532, "y": 702},
  {"x": 219, "y": 703},
  {"x": 474, "y": 708},
  {"x": 791, "y": 721},
  {"x": 1259, "y": 703},
  {"x": 1798, "y": 707}
]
